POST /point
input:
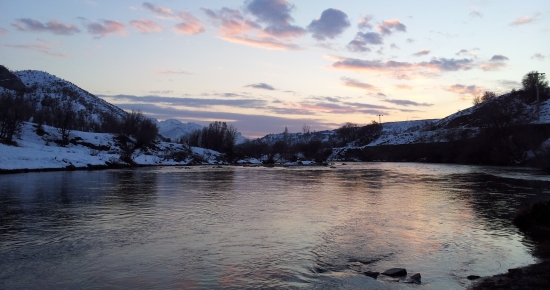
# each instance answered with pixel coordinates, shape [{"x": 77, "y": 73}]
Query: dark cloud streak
[
  {"x": 52, "y": 26},
  {"x": 263, "y": 86}
]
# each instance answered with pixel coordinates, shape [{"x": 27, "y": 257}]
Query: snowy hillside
[
  {"x": 43, "y": 84},
  {"x": 174, "y": 129}
]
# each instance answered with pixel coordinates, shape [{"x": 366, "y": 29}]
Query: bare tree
[
  {"x": 64, "y": 116},
  {"x": 306, "y": 133},
  {"x": 476, "y": 100},
  {"x": 348, "y": 132},
  {"x": 14, "y": 110},
  {"x": 488, "y": 95},
  {"x": 143, "y": 130}
]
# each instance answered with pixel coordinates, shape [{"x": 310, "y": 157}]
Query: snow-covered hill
[
  {"x": 174, "y": 129},
  {"x": 43, "y": 84}
]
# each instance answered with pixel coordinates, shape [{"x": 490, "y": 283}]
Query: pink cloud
[
  {"x": 231, "y": 22},
  {"x": 357, "y": 84},
  {"x": 106, "y": 28},
  {"x": 265, "y": 42},
  {"x": 161, "y": 12},
  {"x": 465, "y": 90},
  {"x": 146, "y": 26},
  {"x": 275, "y": 14},
  {"x": 3, "y": 32},
  {"x": 523, "y": 20},
  {"x": 403, "y": 87},
  {"x": 189, "y": 25},
  {"x": 388, "y": 25},
  {"x": 365, "y": 22}
]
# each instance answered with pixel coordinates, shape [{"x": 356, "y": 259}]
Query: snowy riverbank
[{"x": 86, "y": 150}]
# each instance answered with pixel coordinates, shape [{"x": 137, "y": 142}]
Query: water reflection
[
  {"x": 234, "y": 227},
  {"x": 132, "y": 187}
]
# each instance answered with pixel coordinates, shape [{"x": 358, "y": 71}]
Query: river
[{"x": 254, "y": 227}]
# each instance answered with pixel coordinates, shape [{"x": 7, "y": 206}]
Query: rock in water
[
  {"x": 372, "y": 274},
  {"x": 414, "y": 279},
  {"x": 394, "y": 272},
  {"x": 473, "y": 277}
]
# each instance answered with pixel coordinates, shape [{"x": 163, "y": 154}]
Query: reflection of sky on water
[{"x": 238, "y": 227}]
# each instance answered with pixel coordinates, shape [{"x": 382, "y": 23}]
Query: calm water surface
[{"x": 237, "y": 227}]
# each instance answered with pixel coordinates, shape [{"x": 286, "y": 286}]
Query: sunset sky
[{"x": 266, "y": 64}]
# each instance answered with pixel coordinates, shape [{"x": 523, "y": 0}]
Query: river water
[{"x": 244, "y": 227}]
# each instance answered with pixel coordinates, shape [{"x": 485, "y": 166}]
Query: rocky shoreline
[
  {"x": 534, "y": 221},
  {"x": 536, "y": 276}
]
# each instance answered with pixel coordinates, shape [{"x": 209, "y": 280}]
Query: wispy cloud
[
  {"x": 421, "y": 53},
  {"x": 499, "y": 57},
  {"x": 188, "y": 24},
  {"x": 191, "y": 102},
  {"x": 389, "y": 26},
  {"x": 52, "y": 26},
  {"x": 146, "y": 26},
  {"x": 332, "y": 23},
  {"x": 159, "y": 11},
  {"x": 436, "y": 65},
  {"x": 249, "y": 125},
  {"x": 173, "y": 72},
  {"x": 352, "y": 83},
  {"x": 263, "y": 86},
  {"x": 472, "y": 90},
  {"x": 407, "y": 103},
  {"x": 345, "y": 108},
  {"x": 538, "y": 56},
  {"x": 496, "y": 62},
  {"x": 262, "y": 42},
  {"x": 42, "y": 47},
  {"x": 404, "y": 87},
  {"x": 508, "y": 85},
  {"x": 363, "y": 39},
  {"x": 3, "y": 32},
  {"x": 524, "y": 20},
  {"x": 365, "y": 22},
  {"x": 165, "y": 92},
  {"x": 103, "y": 28},
  {"x": 476, "y": 14},
  {"x": 468, "y": 52}
]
